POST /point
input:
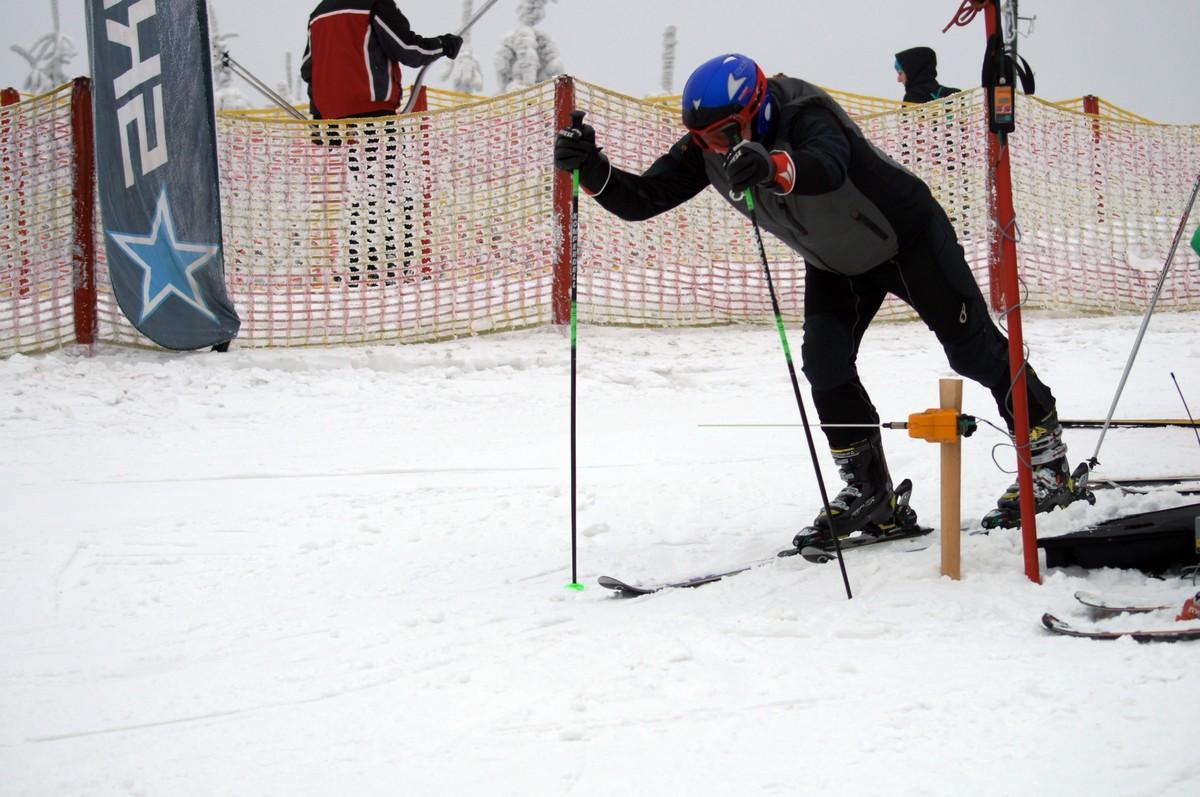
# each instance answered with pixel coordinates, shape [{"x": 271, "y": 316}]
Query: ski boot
[
  {"x": 815, "y": 544},
  {"x": 1054, "y": 484},
  {"x": 867, "y": 502}
]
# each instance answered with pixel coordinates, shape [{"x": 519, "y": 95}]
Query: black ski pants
[{"x": 931, "y": 274}]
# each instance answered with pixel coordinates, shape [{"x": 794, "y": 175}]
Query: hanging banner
[{"x": 156, "y": 164}]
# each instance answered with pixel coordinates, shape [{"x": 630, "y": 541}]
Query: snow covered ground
[{"x": 342, "y": 572}]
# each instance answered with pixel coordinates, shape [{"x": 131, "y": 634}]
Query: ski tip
[
  {"x": 1052, "y": 623},
  {"x": 621, "y": 588}
]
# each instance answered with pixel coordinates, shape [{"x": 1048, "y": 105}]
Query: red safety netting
[
  {"x": 36, "y": 224},
  {"x": 447, "y": 223}
]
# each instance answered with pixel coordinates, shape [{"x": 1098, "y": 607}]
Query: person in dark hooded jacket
[{"x": 916, "y": 69}]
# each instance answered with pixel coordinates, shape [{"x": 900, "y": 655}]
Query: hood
[{"x": 919, "y": 64}]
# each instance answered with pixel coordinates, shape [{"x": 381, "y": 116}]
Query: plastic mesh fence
[
  {"x": 1098, "y": 202},
  {"x": 415, "y": 228},
  {"x": 36, "y": 224},
  {"x": 443, "y": 223},
  {"x": 699, "y": 263}
]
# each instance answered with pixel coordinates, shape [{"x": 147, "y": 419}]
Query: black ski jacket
[
  {"x": 852, "y": 207},
  {"x": 920, "y": 70}
]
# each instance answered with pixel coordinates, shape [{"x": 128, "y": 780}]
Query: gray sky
[{"x": 1139, "y": 55}]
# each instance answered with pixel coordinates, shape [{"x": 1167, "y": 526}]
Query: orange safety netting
[
  {"x": 444, "y": 223},
  {"x": 36, "y": 224}
]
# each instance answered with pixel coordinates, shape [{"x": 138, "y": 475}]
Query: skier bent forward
[{"x": 866, "y": 227}]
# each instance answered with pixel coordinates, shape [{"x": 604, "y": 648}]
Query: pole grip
[{"x": 951, "y": 392}]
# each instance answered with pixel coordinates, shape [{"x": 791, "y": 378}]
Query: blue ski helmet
[{"x": 725, "y": 101}]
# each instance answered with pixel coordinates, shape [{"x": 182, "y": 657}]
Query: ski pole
[
  {"x": 262, "y": 88},
  {"x": 1095, "y": 460},
  {"x": 1186, "y": 408},
  {"x": 577, "y": 124},
  {"x": 787, "y": 353},
  {"x": 412, "y": 97}
]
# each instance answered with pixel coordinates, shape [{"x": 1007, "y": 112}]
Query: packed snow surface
[{"x": 343, "y": 571}]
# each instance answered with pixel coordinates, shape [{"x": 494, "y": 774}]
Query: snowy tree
[
  {"x": 48, "y": 57},
  {"x": 668, "y": 60},
  {"x": 226, "y": 95},
  {"x": 464, "y": 72},
  {"x": 527, "y": 55},
  {"x": 291, "y": 88}
]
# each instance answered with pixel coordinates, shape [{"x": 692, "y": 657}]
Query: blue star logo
[{"x": 170, "y": 264}]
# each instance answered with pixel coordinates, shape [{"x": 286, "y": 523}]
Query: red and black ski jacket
[{"x": 353, "y": 56}]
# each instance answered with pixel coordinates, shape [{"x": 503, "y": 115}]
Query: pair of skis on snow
[
  {"x": 820, "y": 551},
  {"x": 818, "y": 554},
  {"x": 1190, "y": 610},
  {"x": 826, "y": 552}
]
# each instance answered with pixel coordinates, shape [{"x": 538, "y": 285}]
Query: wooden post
[{"x": 951, "y": 392}]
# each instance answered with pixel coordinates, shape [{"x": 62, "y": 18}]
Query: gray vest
[{"x": 842, "y": 230}]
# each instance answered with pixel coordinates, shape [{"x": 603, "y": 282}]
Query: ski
[
  {"x": 1186, "y": 485},
  {"x": 811, "y": 544},
  {"x": 811, "y": 553},
  {"x": 820, "y": 554},
  {"x": 1101, "y": 604},
  {"x": 635, "y": 590},
  {"x": 1052, "y": 623}
]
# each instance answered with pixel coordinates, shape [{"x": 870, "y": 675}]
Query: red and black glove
[{"x": 749, "y": 164}]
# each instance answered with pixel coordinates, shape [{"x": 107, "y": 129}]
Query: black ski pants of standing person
[
  {"x": 931, "y": 274},
  {"x": 380, "y": 209}
]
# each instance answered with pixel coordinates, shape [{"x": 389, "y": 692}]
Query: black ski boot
[
  {"x": 1054, "y": 484},
  {"x": 867, "y": 502}
]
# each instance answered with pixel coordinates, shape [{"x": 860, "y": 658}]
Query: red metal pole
[
  {"x": 10, "y": 96},
  {"x": 564, "y": 103},
  {"x": 422, "y": 106},
  {"x": 1006, "y": 299},
  {"x": 1091, "y": 106},
  {"x": 84, "y": 207},
  {"x": 422, "y": 103}
]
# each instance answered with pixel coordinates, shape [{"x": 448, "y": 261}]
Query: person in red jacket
[
  {"x": 352, "y": 67},
  {"x": 353, "y": 56}
]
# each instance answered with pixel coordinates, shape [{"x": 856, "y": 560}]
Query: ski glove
[
  {"x": 749, "y": 164},
  {"x": 451, "y": 44},
  {"x": 575, "y": 148}
]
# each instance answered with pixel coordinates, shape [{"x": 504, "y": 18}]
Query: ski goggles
[{"x": 722, "y": 136}]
